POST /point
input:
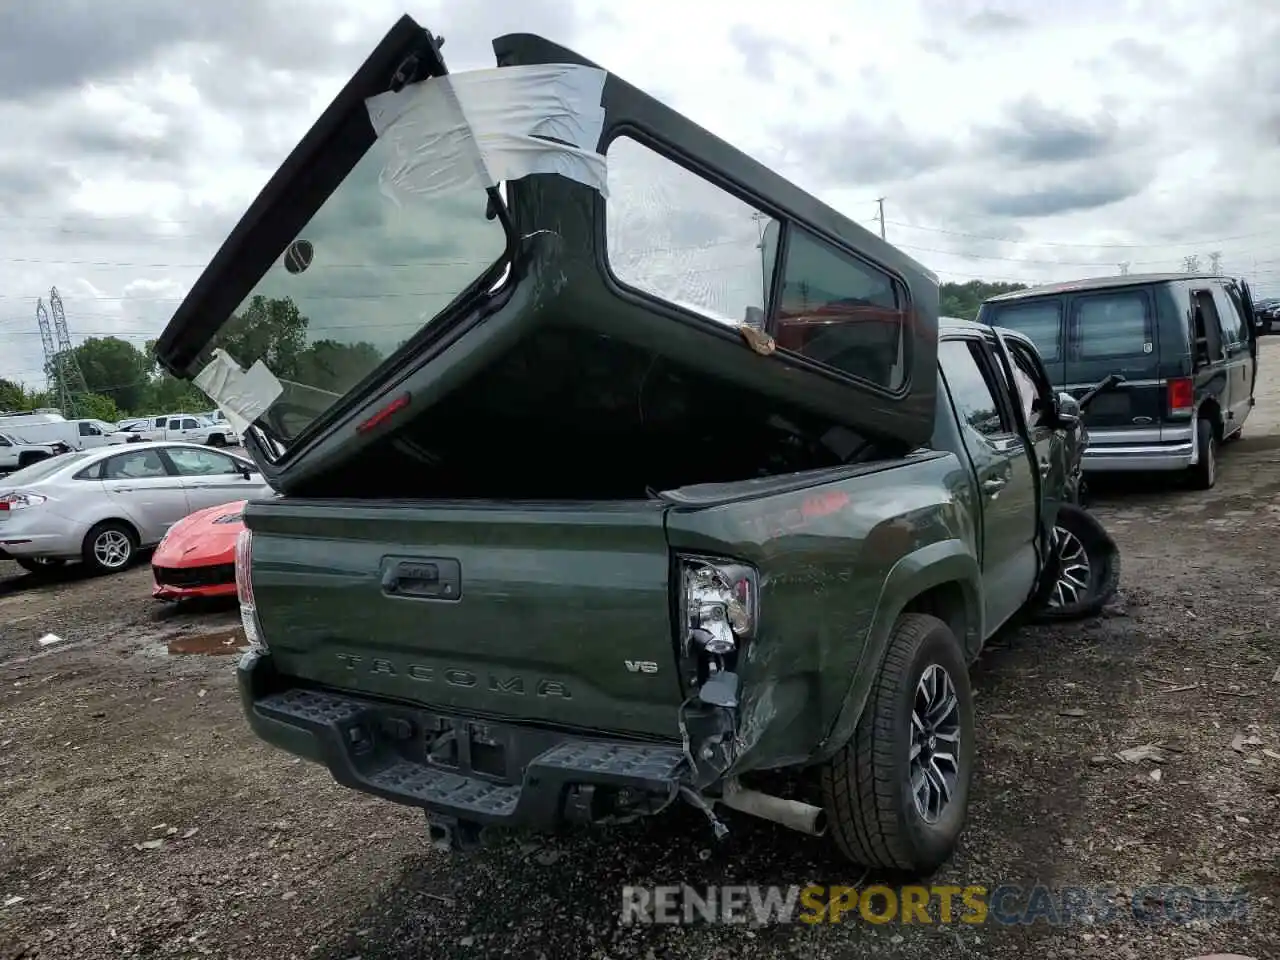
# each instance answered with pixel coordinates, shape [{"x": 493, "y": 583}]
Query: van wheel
[
  {"x": 1205, "y": 473},
  {"x": 110, "y": 547},
  {"x": 896, "y": 795},
  {"x": 217, "y": 440},
  {"x": 27, "y": 459},
  {"x": 1085, "y": 567}
]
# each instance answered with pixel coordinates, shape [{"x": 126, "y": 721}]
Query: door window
[
  {"x": 189, "y": 424},
  {"x": 1233, "y": 325},
  {"x": 135, "y": 466},
  {"x": 1031, "y": 384},
  {"x": 202, "y": 463},
  {"x": 5, "y": 443},
  {"x": 89, "y": 430},
  {"x": 1208, "y": 326},
  {"x": 1117, "y": 324},
  {"x": 842, "y": 312},
  {"x": 973, "y": 389}
]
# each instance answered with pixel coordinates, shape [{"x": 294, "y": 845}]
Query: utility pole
[{"x": 880, "y": 216}]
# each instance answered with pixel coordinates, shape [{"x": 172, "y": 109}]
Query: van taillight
[
  {"x": 1181, "y": 397},
  {"x": 244, "y": 587}
]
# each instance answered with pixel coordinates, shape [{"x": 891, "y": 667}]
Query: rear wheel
[
  {"x": 39, "y": 565},
  {"x": 217, "y": 440},
  {"x": 896, "y": 796},
  {"x": 1204, "y": 474},
  {"x": 27, "y": 459},
  {"x": 110, "y": 547}
]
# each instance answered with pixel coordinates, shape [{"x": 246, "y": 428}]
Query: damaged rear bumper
[{"x": 461, "y": 771}]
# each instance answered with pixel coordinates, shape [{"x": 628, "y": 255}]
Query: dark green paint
[{"x": 557, "y": 597}]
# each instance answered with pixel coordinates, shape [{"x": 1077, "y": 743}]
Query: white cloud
[{"x": 1012, "y": 140}]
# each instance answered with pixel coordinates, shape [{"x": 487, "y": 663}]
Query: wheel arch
[
  {"x": 942, "y": 579},
  {"x": 1211, "y": 410},
  {"x": 115, "y": 518}
]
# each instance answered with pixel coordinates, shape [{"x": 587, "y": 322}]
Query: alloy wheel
[
  {"x": 112, "y": 549},
  {"x": 935, "y": 743},
  {"x": 1074, "y": 573}
]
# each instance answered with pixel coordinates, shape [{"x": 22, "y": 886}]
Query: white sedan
[{"x": 102, "y": 506}]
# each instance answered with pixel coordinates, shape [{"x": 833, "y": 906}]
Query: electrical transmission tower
[
  {"x": 1191, "y": 264},
  {"x": 1215, "y": 262},
  {"x": 1124, "y": 268},
  {"x": 53, "y": 383},
  {"x": 66, "y": 383}
]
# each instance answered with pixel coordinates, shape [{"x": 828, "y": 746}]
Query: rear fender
[{"x": 943, "y": 562}]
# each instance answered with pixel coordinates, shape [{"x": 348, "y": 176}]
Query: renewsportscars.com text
[{"x": 1003, "y": 904}]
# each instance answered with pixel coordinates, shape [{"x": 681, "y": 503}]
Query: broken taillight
[
  {"x": 17, "y": 501},
  {"x": 244, "y": 588},
  {"x": 719, "y": 603},
  {"x": 1181, "y": 397}
]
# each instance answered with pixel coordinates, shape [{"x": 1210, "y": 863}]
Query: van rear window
[
  {"x": 1113, "y": 325},
  {"x": 1040, "y": 320}
]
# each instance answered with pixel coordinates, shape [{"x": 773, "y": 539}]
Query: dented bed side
[{"x": 838, "y": 561}]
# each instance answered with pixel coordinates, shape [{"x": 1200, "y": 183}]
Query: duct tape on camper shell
[
  {"x": 478, "y": 128},
  {"x": 242, "y": 396}
]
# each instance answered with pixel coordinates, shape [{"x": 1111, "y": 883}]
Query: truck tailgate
[{"x": 544, "y": 613}]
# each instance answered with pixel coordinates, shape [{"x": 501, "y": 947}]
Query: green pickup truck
[{"x": 615, "y": 471}]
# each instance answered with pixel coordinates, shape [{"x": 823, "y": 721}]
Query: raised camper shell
[{"x": 519, "y": 356}]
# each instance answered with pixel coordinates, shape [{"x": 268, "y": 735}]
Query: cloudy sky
[{"x": 1012, "y": 140}]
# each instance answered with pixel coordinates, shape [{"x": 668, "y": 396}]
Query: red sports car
[{"x": 197, "y": 558}]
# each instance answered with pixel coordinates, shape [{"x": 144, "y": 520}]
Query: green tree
[
  {"x": 115, "y": 369},
  {"x": 13, "y": 396},
  {"x": 97, "y": 406},
  {"x": 963, "y": 299}
]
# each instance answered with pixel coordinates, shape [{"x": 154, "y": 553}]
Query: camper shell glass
[{"x": 699, "y": 302}]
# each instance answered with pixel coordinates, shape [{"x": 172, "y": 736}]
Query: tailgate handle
[{"x": 425, "y": 578}]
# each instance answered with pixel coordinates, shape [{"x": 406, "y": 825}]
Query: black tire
[
  {"x": 27, "y": 459},
  {"x": 217, "y": 440},
  {"x": 40, "y": 566},
  {"x": 866, "y": 787},
  {"x": 124, "y": 540},
  {"x": 1075, "y": 594},
  {"x": 1205, "y": 473}
]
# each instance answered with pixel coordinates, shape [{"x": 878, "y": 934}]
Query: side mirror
[
  {"x": 246, "y": 472},
  {"x": 1068, "y": 413}
]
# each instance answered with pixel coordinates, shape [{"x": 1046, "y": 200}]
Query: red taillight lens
[
  {"x": 244, "y": 558},
  {"x": 1181, "y": 395},
  {"x": 244, "y": 587}
]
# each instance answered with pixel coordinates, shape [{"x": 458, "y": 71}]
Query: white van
[
  {"x": 76, "y": 434},
  {"x": 20, "y": 421}
]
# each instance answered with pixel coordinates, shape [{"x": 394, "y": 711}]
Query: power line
[{"x": 1274, "y": 232}]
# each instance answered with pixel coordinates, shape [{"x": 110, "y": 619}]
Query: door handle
[
  {"x": 1044, "y": 467},
  {"x": 993, "y": 485}
]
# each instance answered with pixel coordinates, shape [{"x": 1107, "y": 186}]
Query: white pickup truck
[
  {"x": 16, "y": 453},
  {"x": 188, "y": 427}
]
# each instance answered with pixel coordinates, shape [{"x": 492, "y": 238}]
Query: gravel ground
[{"x": 139, "y": 817}]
